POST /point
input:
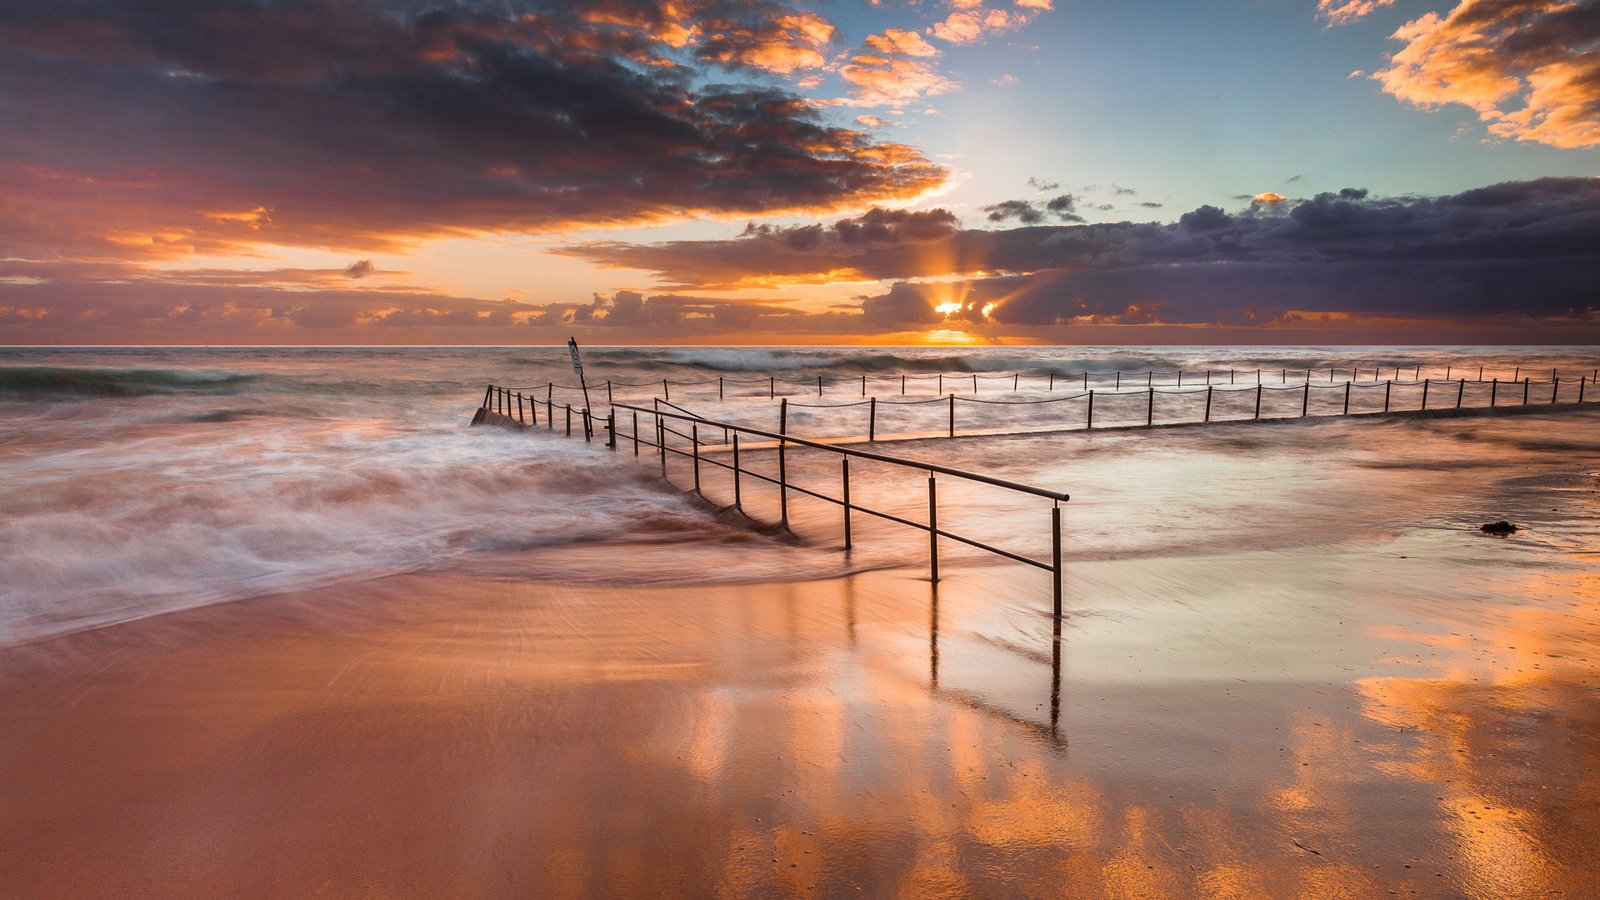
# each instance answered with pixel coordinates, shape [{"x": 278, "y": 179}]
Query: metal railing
[
  {"x": 944, "y": 382},
  {"x": 666, "y": 424}
]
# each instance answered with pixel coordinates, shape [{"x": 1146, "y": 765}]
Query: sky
[{"x": 776, "y": 172}]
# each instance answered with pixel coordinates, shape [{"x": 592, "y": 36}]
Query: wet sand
[{"x": 1393, "y": 718}]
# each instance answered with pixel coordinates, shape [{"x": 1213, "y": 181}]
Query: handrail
[{"x": 863, "y": 454}]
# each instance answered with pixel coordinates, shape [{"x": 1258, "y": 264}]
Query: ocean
[{"x": 138, "y": 481}]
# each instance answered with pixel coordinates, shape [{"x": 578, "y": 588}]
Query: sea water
[{"x": 135, "y": 481}]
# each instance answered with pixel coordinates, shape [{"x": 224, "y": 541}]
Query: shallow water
[{"x": 137, "y": 481}]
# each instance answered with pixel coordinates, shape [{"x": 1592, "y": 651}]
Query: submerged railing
[{"x": 511, "y": 404}]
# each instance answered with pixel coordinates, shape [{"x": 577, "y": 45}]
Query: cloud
[
  {"x": 132, "y": 131},
  {"x": 1343, "y": 12},
  {"x": 1043, "y": 186},
  {"x": 882, "y": 81},
  {"x": 1027, "y": 212},
  {"x": 1526, "y": 249},
  {"x": 361, "y": 268},
  {"x": 901, "y": 42},
  {"x": 1530, "y": 69}
]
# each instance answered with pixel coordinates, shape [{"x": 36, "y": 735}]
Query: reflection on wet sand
[{"x": 442, "y": 735}]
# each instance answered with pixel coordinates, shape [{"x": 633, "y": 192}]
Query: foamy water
[{"x": 140, "y": 481}]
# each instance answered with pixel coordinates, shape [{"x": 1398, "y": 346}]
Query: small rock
[{"x": 1500, "y": 527}]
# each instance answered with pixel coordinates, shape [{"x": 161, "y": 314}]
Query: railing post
[
  {"x": 872, "y": 419},
  {"x": 1090, "y": 422},
  {"x": 1555, "y": 388},
  {"x": 1055, "y": 557},
  {"x": 520, "y": 418},
  {"x": 588, "y": 426},
  {"x": 783, "y": 485},
  {"x": 933, "y": 529},
  {"x": 694, "y": 438},
  {"x": 569, "y": 420},
  {"x": 1516, "y": 374},
  {"x": 844, "y": 461},
  {"x": 666, "y": 392},
  {"x": 1258, "y": 400},
  {"x": 1209, "y": 389},
  {"x": 1305, "y": 401},
  {"x": 1461, "y": 389},
  {"x": 783, "y": 416},
  {"x": 863, "y": 385},
  {"x": 1580, "y": 387},
  {"x": 772, "y": 387},
  {"x": 1016, "y": 382},
  {"x": 1425, "y": 393},
  {"x": 1052, "y": 381},
  {"x": 902, "y": 385},
  {"x": 1494, "y": 391},
  {"x": 1150, "y": 409},
  {"x": 952, "y": 415},
  {"x": 1387, "y": 385},
  {"x": 488, "y": 396},
  {"x": 819, "y": 385},
  {"x": 738, "y": 499},
  {"x": 1231, "y": 373},
  {"x": 1119, "y": 380},
  {"x": 1526, "y": 384},
  {"x": 533, "y": 410},
  {"x": 719, "y": 387},
  {"x": 941, "y": 382},
  {"x": 609, "y": 398},
  {"x": 1086, "y": 379},
  {"x": 974, "y": 384},
  {"x": 1480, "y": 374},
  {"x": 1346, "y": 399},
  {"x": 611, "y": 430},
  {"x": 635, "y": 432}
]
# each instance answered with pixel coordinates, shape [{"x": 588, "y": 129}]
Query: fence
[
  {"x": 945, "y": 382},
  {"x": 511, "y": 404}
]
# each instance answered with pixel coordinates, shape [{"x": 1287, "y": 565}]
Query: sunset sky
[{"x": 895, "y": 171}]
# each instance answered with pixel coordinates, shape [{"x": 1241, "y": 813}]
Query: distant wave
[{"x": 51, "y": 381}]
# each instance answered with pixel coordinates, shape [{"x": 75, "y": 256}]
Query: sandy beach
[
  {"x": 368, "y": 652},
  {"x": 446, "y": 735}
]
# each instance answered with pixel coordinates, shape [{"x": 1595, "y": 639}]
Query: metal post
[
  {"x": 488, "y": 396},
  {"x": 1580, "y": 387},
  {"x": 1346, "y": 399},
  {"x": 1387, "y": 385},
  {"x": 524, "y": 419},
  {"x": 844, "y": 461},
  {"x": 666, "y": 391},
  {"x": 661, "y": 442},
  {"x": 933, "y": 529},
  {"x": 952, "y": 415},
  {"x": 533, "y": 410},
  {"x": 1090, "y": 423},
  {"x": 550, "y": 413},
  {"x": 1180, "y": 378},
  {"x": 783, "y": 416},
  {"x": 1052, "y": 381},
  {"x": 1055, "y": 556},
  {"x": 1305, "y": 401},
  {"x": 1447, "y": 373},
  {"x": 609, "y": 398},
  {"x": 1208, "y": 376},
  {"x": 719, "y": 387},
  {"x": 1480, "y": 374},
  {"x": 1150, "y": 410},
  {"x": 1555, "y": 387},
  {"x": 1258, "y": 400},
  {"x": 819, "y": 385},
  {"x": 611, "y": 430},
  {"x": 694, "y": 439},
  {"x": 1516, "y": 374},
  {"x": 569, "y": 420},
  {"x": 941, "y": 382},
  {"x": 783, "y": 485},
  {"x": 636, "y": 432},
  {"x": 1016, "y": 381},
  {"x": 974, "y": 383},
  {"x": 588, "y": 426},
  {"x": 1086, "y": 379},
  {"x": 1424, "y": 394},
  {"x": 1149, "y": 378},
  {"x": 772, "y": 387},
  {"x": 863, "y": 385},
  {"x": 738, "y": 500},
  {"x": 872, "y": 420},
  {"x": 1526, "y": 384},
  {"x": 1461, "y": 388},
  {"x": 1494, "y": 390},
  {"x": 1231, "y": 374},
  {"x": 902, "y": 385},
  {"x": 1208, "y": 401},
  {"x": 1119, "y": 379}
]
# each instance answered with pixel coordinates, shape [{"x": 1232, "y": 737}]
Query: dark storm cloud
[
  {"x": 1525, "y": 248},
  {"x": 135, "y": 127}
]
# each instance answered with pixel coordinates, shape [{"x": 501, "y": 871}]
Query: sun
[{"x": 949, "y": 308}]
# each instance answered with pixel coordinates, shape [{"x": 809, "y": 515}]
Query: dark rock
[{"x": 1500, "y": 527}]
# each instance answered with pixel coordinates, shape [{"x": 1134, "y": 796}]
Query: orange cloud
[
  {"x": 1530, "y": 69},
  {"x": 901, "y": 42},
  {"x": 1340, "y": 12},
  {"x": 877, "y": 81}
]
